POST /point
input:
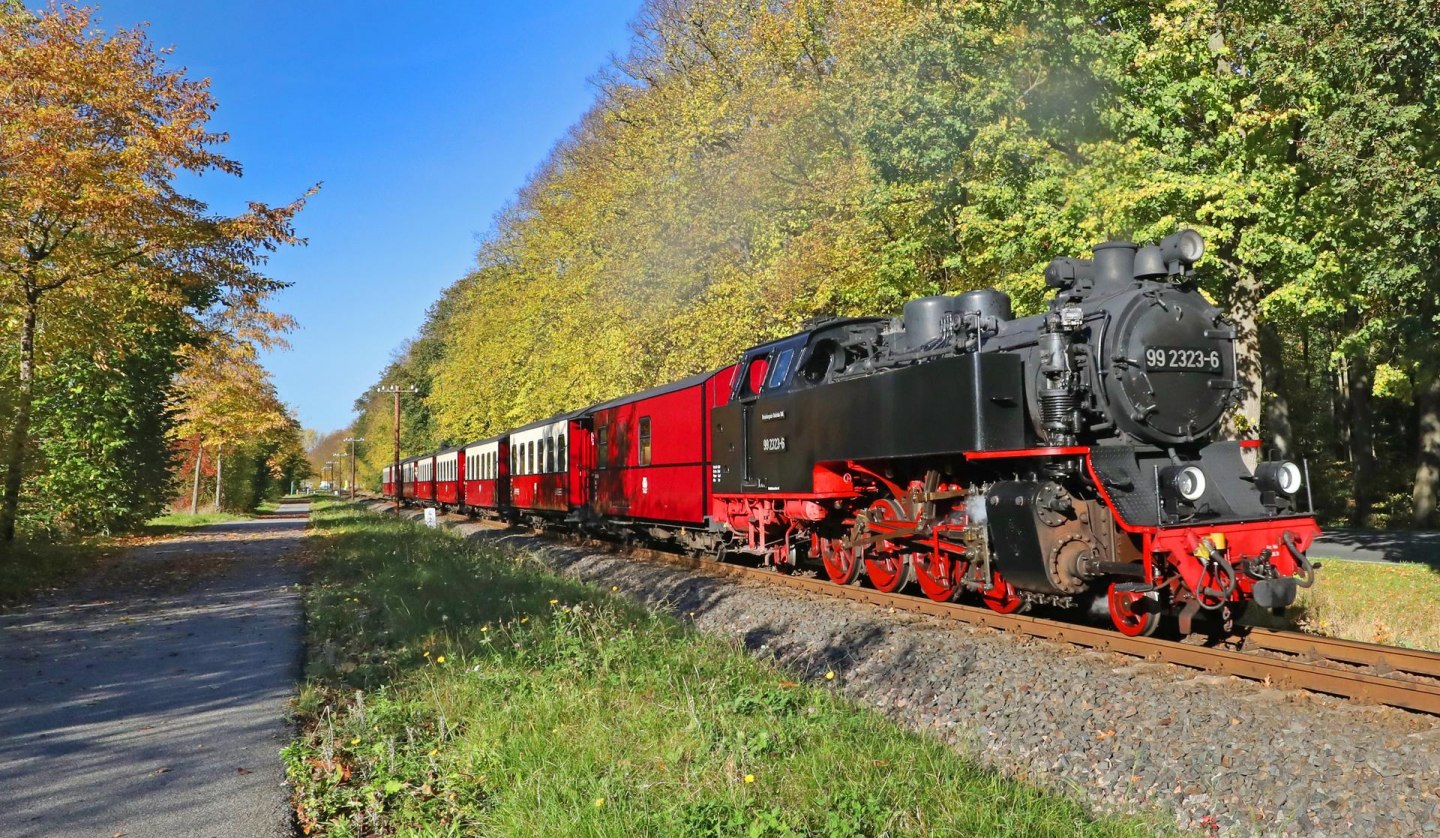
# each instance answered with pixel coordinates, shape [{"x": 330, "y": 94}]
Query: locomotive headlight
[
  {"x": 1282, "y": 477},
  {"x": 1185, "y": 483}
]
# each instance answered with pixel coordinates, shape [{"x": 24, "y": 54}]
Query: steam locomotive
[{"x": 1067, "y": 458}]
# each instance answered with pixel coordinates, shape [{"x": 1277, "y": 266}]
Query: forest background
[
  {"x": 131, "y": 315},
  {"x": 750, "y": 165}
]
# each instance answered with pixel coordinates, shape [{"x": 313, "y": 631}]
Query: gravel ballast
[{"x": 1226, "y": 756}]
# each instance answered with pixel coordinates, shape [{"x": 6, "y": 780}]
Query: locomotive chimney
[{"x": 1114, "y": 264}]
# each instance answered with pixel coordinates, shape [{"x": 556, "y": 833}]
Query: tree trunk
[
  {"x": 1277, "y": 406},
  {"x": 20, "y": 433},
  {"x": 1362, "y": 448},
  {"x": 199, "y": 464},
  {"x": 219, "y": 473},
  {"x": 1244, "y": 313},
  {"x": 1427, "y": 470}
]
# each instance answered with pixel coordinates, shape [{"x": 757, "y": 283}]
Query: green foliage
[
  {"x": 103, "y": 461},
  {"x": 457, "y": 690},
  {"x": 749, "y": 165}
]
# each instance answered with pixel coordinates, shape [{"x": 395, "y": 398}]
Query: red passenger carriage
[
  {"x": 425, "y": 479},
  {"x": 546, "y": 474},
  {"x": 487, "y": 475},
  {"x": 650, "y": 453},
  {"x": 449, "y": 479},
  {"x": 407, "y": 479}
]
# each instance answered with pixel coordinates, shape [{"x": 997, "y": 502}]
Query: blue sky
[{"x": 422, "y": 120}]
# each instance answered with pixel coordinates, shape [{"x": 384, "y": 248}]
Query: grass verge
[
  {"x": 179, "y": 521},
  {"x": 1394, "y": 604},
  {"x": 454, "y": 690}
]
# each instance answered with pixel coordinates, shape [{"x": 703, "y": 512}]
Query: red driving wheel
[
  {"x": 939, "y": 575},
  {"x": 1001, "y": 595},
  {"x": 840, "y": 562},
  {"x": 886, "y": 565},
  {"x": 1128, "y": 619}
]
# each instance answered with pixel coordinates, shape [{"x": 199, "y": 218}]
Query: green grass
[
  {"x": 454, "y": 690},
  {"x": 1394, "y": 604},
  {"x": 179, "y": 521}
]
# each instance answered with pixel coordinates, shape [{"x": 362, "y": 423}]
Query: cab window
[
  {"x": 781, "y": 369},
  {"x": 754, "y": 377}
]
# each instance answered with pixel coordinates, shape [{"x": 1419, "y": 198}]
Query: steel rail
[
  {"x": 1289, "y": 673},
  {"x": 1382, "y": 659}
]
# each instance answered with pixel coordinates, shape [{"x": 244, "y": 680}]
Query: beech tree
[{"x": 94, "y": 130}]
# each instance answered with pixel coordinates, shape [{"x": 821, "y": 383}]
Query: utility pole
[
  {"x": 396, "y": 390},
  {"x": 339, "y": 472},
  {"x": 352, "y": 440}
]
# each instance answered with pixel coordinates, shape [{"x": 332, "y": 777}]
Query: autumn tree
[
  {"x": 224, "y": 397},
  {"x": 94, "y": 131}
]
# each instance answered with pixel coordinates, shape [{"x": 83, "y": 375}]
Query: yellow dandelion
[
  {"x": 830, "y": 676},
  {"x": 599, "y": 801},
  {"x": 355, "y": 741},
  {"x": 554, "y": 601},
  {"x": 427, "y": 653},
  {"x": 524, "y": 619},
  {"x": 484, "y": 629},
  {"x": 749, "y": 778},
  {"x": 440, "y": 659},
  {"x": 614, "y": 587},
  {"x": 434, "y": 751}
]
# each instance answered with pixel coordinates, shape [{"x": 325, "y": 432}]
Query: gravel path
[
  {"x": 1226, "y": 756},
  {"x": 152, "y": 701},
  {"x": 1421, "y": 546}
]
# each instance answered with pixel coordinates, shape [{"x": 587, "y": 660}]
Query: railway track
[
  {"x": 1367, "y": 672},
  {"x": 1284, "y": 659}
]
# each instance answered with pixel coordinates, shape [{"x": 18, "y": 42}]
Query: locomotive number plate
[{"x": 1181, "y": 359}]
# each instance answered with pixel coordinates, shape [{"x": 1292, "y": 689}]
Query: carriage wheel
[
  {"x": 1001, "y": 596},
  {"x": 886, "y": 565},
  {"x": 1127, "y": 619},
  {"x": 841, "y": 564},
  {"x": 938, "y": 575}
]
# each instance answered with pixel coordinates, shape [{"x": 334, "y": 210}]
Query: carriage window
[
  {"x": 644, "y": 440},
  {"x": 550, "y": 453},
  {"x": 602, "y": 446},
  {"x": 564, "y": 462},
  {"x": 530, "y": 457},
  {"x": 782, "y": 367}
]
